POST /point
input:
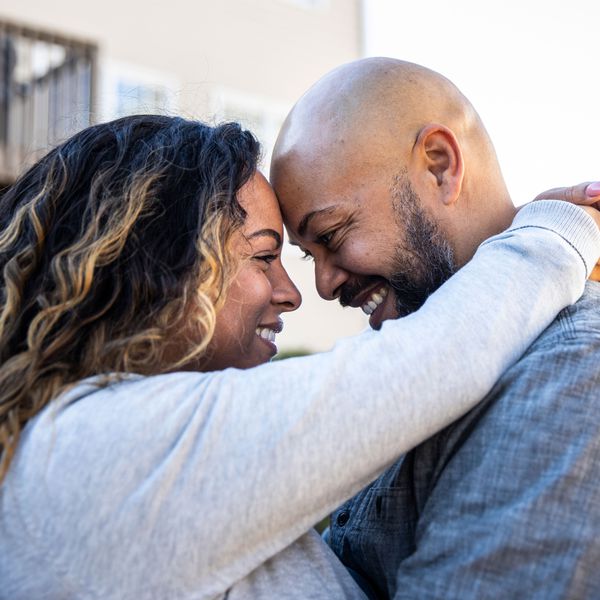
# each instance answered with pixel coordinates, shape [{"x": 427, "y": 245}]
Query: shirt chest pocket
[{"x": 389, "y": 508}]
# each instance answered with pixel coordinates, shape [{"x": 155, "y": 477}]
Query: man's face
[{"x": 372, "y": 242}]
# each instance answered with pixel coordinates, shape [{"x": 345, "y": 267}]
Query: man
[{"x": 388, "y": 179}]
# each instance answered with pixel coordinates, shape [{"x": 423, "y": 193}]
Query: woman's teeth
[
  {"x": 374, "y": 300},
  {"x": 265, "y": 333}
]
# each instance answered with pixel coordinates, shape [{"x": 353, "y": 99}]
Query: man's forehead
[
  {"x": 310, "y": 167},
  {"x": 305, "y": 192}
]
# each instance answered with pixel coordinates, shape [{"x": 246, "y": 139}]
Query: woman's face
[{"x": 250, "y": 318}]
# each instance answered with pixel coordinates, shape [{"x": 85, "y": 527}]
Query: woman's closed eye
[{"x": 267, "y": 258}]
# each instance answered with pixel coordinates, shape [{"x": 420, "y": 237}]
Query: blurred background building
[
  {"x": 66, "y": 64},
  {"x": 529, "y": 66}
]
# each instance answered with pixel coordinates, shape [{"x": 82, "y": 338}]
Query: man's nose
[{"x": 329, "y": 278}]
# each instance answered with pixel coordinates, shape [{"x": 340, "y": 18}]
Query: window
[
  {"x": 263, "y": 116},
  {"x": 128, "y": 89},
  {"x": 46, "y": 93}
]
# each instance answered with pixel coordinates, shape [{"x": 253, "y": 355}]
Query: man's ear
[{"x": 438, "y": 158}]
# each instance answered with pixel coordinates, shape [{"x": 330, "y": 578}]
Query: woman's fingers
[
  {"x": 593, "y": 190},
  {"x": 586, "y": 193}
]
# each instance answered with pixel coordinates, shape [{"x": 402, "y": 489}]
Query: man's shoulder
[
  {"x": 587, "y": 308},
  {"x": 513, "y": 484},
  {"x": 555, "y": 381},
  {"x": 580, "y": 321},
  {"x": 563, "y": 360}
]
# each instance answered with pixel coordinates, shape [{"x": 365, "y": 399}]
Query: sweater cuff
[{"x": 569, "y": 221}]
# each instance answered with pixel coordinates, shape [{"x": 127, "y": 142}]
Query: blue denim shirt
[{"x": 504, "y": 503}]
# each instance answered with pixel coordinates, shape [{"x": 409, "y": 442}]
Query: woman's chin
[{"x": 263, "y": 352}]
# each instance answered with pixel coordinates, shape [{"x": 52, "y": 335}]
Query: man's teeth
[
  {"x": 374, "y": 300},
  {"x": 265, "y": 333}
]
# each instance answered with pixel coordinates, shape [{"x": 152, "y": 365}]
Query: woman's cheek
[{"x": 255, "y": 288}]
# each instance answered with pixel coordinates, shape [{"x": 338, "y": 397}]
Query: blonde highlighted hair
[{"x": 105, "y": 245}]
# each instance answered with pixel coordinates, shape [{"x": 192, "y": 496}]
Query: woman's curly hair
[{"x": 105, "y": 246}]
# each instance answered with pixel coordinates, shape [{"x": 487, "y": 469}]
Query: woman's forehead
[{"x": 260, "y": 203}]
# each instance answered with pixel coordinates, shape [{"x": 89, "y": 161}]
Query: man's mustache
[{"x": 351, "y": 289}]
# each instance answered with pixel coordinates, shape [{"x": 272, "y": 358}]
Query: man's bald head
[
  {"x": 398, "y": 148},
  {"x": 376, "y": 98},
  {"x": 370, "y": 113}
]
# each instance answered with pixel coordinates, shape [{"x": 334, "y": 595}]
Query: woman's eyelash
[
  {"x": 268, "y": 258},
  {"x": 306, "y": 255}
]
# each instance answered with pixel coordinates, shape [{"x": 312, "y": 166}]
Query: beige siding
[
  {"x": 242, "y": 59},
  {"x": 266, "y": 47}
]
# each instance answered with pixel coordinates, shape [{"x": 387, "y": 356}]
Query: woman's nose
[{"x": 285, "y": 293}]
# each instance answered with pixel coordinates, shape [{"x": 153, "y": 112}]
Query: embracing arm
[
  {"x": 313, "y": 431},
  {"x": 586, "y": 194},
  {"x": 242, "y": 463}
]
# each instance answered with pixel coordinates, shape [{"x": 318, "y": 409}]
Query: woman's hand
[{"x": 587, "y": 195}]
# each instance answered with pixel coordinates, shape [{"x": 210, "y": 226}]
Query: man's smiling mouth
[
  {"x": 374, "y": 300},
  {"x": 370, "y": 295}
]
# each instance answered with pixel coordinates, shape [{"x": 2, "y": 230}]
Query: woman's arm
[
  {"x": 311, "y": 432},
  {"x": 226, "y": 469},
  {"x": 586, "y": 194}
]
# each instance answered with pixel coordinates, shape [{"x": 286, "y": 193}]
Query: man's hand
[{"x": 587, "y": 195}]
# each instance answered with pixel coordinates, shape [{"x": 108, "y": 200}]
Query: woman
[{"x": 140, "y": 259}]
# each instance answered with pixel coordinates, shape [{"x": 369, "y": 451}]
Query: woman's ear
[{"x": 438, "y": 157}]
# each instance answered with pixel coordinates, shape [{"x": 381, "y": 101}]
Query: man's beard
[
  {"x": 425, "y": 260},
  {"x": 421, "y": 264}
]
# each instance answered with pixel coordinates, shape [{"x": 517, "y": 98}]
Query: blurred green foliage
[{"x": 291, "y": 353}]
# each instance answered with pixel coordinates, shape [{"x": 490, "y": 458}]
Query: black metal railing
[{"x": 47, "y": 86}]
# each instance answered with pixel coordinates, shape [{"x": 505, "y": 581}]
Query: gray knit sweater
[{"x": 206, "y": 485}]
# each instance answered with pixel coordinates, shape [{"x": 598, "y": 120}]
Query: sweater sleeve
[{"x": 212, "y": 474}]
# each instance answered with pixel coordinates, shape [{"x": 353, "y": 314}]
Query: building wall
[
  {"x": 270, "y": 48},
  {"x": 247, "y": 60}
]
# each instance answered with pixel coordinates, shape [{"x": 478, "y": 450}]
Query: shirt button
[{"x": 343, "y": 518}]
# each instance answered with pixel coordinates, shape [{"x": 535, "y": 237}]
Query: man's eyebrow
[
  {"x": 307, "y": 218},
  {"x": 268, "y": 232}
]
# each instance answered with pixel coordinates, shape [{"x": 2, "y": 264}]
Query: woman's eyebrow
[{"x": 266, "y": 232}]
